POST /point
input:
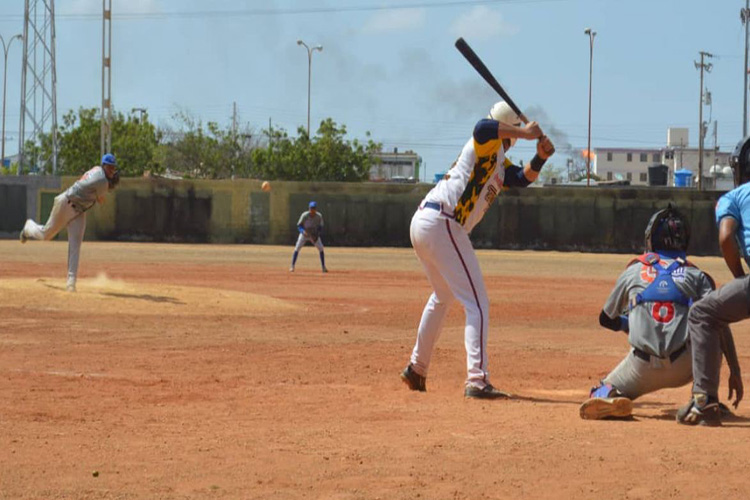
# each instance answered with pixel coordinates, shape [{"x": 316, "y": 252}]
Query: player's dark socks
[
  {"x": 294, "y": 258},
  {"x": 322, "y": 260}
]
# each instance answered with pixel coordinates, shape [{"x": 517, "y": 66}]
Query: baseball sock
[
  {"x": 294, "y": 257},
  {"x": 322, "y": 260}
]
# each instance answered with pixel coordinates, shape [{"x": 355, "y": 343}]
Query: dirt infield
[{"x": 187, "y": 371}]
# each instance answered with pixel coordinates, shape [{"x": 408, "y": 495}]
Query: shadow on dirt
[{"x": 151, "y": 298}]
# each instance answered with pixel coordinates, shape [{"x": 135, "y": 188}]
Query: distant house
[
  {"x": 631, "y": 164},
  {"x": 395, "y": 167}
]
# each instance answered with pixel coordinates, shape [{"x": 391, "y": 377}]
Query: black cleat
[
  {"x": 488, "y": 392},
  {"x": 701, "y": 410},
  {"x": 414, "y": 380}
]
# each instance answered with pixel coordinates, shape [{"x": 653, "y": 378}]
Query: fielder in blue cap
[{"x": 310, "y": 227}]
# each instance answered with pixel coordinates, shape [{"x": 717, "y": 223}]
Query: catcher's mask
[{"x": 667, "y": 230}]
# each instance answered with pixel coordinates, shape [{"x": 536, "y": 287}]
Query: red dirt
[{"x": 181, "y": 371}]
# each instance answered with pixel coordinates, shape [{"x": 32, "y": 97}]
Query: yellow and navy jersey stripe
[{"x": 487, "y": 144}]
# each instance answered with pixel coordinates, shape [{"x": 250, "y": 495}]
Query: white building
[
  {"x": 631, "y": 164},
  {"x": 395, "y": 167}
]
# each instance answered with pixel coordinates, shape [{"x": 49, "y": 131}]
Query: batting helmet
[
  {"x": 312, "y": 204},
  {"x": 667, "y": 230},
  {"x": 109, "y": 159},
  {"x": 503, "y": 113}
]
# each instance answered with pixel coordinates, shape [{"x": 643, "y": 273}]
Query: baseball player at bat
[
  {"x": 440, "y": 236},
  {"x": 650, "y": 302},
  {"x": 69, "y": 210},
  {"x": 310, "y": 227}
]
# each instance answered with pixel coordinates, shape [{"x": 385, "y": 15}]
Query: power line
[{"x": 279, "y": 12}]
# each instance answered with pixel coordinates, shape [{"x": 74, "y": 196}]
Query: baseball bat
[{"x": 475, "y": 61}]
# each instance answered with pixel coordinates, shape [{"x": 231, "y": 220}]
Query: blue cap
[
  {"x": 313, "y": 204},
  {"x": 109, "y": 159}
]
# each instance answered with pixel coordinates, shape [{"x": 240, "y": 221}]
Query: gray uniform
[
  {"x": 311, "y": 225},
  {"x": 88, "y": 189},
  {"x": 69, "y": 210},
  {"x": 660, "y": 355}
]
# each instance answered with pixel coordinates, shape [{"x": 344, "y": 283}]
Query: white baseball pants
[
  {"x": 301, "y": 242},
  {"x": 63, "y": 214},
  {"x": 452, "y": 268}
]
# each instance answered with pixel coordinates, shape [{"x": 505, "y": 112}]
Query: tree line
[{"x": 198, "y": 151}]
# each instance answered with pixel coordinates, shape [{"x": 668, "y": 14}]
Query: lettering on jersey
[
  {"x": 648, "y": 273},
  {"x": 483, "y": 170},
  {"x": 490, "y": 196},
  {"x": 662, "y": 312},
  {"x": 87, "y": 175}
]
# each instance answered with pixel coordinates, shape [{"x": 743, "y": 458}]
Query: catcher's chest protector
[{"x": 663, "y": 288}]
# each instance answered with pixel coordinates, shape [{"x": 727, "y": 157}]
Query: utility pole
[
  {"x": 745, "y": 17},
  {"x": 106, "y": 125},
  {"x": 234, "y": 120},
  {"x": 702, "y": 66}
]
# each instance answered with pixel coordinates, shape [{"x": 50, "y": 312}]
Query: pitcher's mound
[{"x": 116, "y": 296}]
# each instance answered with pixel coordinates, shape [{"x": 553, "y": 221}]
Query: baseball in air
[{"x": 266, "y": 186}]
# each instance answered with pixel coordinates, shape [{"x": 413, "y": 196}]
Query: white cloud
[
  {"x": 481, "y": 23},
  {"x": 395, "y": 20}
]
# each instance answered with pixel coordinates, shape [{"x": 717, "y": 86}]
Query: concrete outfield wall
[{"x": 594, "y": 219}]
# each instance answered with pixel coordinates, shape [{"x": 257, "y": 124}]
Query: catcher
[
  {"x": 650, "y": 302},
  {"x": 310, "y": 227}
]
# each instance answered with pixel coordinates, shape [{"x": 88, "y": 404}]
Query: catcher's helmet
[
  {"x": 667, "y": 230},
  {"x": 503, "y": 113}
]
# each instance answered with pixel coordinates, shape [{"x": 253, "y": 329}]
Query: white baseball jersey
[{"x": 474, "y": 181}]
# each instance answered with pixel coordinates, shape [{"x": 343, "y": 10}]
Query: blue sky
[{"x": 389, "y": 67}]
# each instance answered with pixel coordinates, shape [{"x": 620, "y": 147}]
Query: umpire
[{"x": 710, "y": 317}]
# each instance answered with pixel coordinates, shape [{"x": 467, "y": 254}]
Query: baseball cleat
[
  {"x": 599, "y": 408},
  {"x": 70, "y": 288},
  {"x": 414, "y": 380},
  {"x": 325, "y": 270},
  {"x": 701, "y": 410},
  {"x": 487, "y": 392},
  {"x": 291, "y": 269}
]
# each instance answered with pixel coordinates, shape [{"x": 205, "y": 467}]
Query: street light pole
[
  {"x": 6, "y": 48},
  {"x": 591, "y": 35},
  {"x": 309, "y": 76}
]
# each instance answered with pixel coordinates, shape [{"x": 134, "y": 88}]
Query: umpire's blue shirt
[{"x": 736, "y": 204}]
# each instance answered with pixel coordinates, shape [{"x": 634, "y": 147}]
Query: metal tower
[
  {"x": 38, "y": 88},
  {"x": 106, "y": 133}
]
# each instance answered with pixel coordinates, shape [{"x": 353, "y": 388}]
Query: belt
[
  {"x": 436, "y": 206},
  {"x": 647, "y": 357}
]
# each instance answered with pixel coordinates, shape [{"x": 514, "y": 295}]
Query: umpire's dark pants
[{"x": 710, "y": 318}]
